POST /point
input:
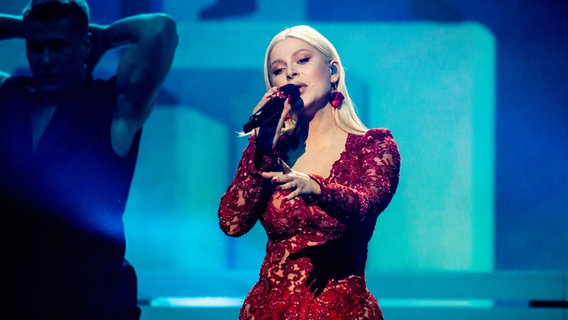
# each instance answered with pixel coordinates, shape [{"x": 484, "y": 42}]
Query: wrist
[{"x": 314, "y": 197}]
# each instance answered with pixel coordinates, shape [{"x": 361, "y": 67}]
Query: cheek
[
  {"x": 34, "y": 60},
  {"x": 321, "y": 76},
  {"x": 279, "y": 81},
  {"x": 32, "y": 53}
]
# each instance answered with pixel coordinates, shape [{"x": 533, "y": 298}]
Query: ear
[
  {"x": 86, "y": 46},
  {"x": 334, "y": 71}
]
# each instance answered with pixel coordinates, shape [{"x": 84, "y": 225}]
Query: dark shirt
[{"x": 63, "y": 201}]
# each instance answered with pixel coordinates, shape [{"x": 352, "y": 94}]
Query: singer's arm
[
  {"x": 368, "y": 195},
  {"x": 268, "y": 117},
  {"x": 246, "y": 196}
]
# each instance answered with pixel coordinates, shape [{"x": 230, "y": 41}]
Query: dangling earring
[{"x": 336, "y": 99}]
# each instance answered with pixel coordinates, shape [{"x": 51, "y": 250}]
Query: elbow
[
  {"x": 233, "y": 234},
  {"x": 158, "y": 30},
  {"x": 231, "y": 230},
  {"x": 166, "y": 26}
]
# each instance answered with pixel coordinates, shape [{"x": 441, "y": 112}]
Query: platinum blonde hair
[{"x": 345, "y": 116}]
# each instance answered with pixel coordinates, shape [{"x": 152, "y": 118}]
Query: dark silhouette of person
[{"x": 68, "y": 150}]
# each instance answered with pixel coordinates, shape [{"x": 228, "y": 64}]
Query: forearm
[
  {"x": 237, "y": 214},
  {"x": 11, "y": 27},
  {"x": 142, "y": 29},
  {"x": 370, "y": 193},
  {"x": 150, "y": 41},
  {"x": 242, "y": 201}
]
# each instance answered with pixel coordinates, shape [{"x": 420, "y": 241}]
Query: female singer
[{"x": 317, "y": 192}]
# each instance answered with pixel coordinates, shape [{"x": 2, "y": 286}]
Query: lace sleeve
[
  {"x": 369, "y": 194},
  {"x": 242, "y": 202}
]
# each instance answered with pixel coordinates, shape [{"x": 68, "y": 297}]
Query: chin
[{"x": 51, "y": 87}]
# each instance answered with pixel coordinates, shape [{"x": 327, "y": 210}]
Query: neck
[
  {"x": 322, "y": 123},
  {"x": 53, "y": 97}
]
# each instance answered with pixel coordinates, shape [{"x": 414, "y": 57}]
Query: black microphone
[{"x": 274, "y": 107}]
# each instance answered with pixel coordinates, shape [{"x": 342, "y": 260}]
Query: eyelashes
[
  {"x": 300, "y": 61},
  {"x": 277, "y": 71}
]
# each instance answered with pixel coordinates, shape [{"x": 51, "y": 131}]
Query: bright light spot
[
  {"x": 434, "y": 303},
  {"x": 184, "y": 302}
]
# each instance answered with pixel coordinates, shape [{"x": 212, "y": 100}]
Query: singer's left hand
[
  {"x": 271, "y": 94},
  {"x": 297, "y": 182}
]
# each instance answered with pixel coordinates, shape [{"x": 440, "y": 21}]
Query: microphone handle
[
  {"x": 272, "y": 108},
  {"x": 275, "y": 107}
]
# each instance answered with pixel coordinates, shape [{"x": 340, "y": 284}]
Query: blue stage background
[{"x": 475, "y": 93}]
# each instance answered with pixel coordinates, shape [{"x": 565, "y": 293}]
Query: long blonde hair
[{"x": 345, "y": 116}]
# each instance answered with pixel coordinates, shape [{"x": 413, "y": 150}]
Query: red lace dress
[{"x": 316, "y": 253}]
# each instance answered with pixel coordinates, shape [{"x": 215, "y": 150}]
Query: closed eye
[
  {"x": 277, "y": 71},
  {"x": 58, "y": 45}
]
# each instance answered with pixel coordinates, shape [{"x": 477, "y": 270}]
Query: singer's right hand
[{"x": 270, "y": 94}]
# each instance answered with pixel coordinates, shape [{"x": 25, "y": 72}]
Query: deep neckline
[{"x": 342, "y": 155}]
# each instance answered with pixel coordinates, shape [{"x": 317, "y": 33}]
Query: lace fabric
[{"x": 314, "y": 267}]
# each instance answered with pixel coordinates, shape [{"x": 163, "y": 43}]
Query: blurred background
[{"x": 475, "y": 93}]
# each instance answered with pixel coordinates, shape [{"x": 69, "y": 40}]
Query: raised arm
[
  {"x": 245, "y": 198},
  {"x": 149, "y": 42}
]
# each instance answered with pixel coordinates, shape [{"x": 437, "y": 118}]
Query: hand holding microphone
[
  {"x": 274, "y": 107},
  {"x": 268, "y": 116}
]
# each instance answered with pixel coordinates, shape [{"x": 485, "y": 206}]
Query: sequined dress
[{"x": 314, "y": 267}]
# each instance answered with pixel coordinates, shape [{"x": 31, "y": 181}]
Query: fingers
[
  {"x": 287, "y": 108},
  {"x": 271, "y": 93},
  {"x": 315, "y": 284},
  {"x": 293, "y": 184},
  {"x": 284, "y": 180},
  {"x": 297, "y": 183},
  {"x": 285, "y": 168},
  {"x": 280, "y": 125}
]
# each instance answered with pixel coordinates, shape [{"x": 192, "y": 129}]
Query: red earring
[{"x": 336, "y": 99}]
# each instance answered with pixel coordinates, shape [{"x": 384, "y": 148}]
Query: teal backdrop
[
  {"x": 442, "y": 217},
  {"x": 474, "y": 93}
]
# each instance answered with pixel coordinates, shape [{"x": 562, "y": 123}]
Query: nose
[
  {"x": 291, "y": 73},
  {"x": 46, "y": 58}
]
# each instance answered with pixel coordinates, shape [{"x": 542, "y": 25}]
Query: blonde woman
[{"x": 317, "y": 193}]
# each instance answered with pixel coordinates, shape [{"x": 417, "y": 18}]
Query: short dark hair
[{"x": 49, "y": 10}]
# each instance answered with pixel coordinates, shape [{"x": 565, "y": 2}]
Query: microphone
[{"x": 274, "y": 107}]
